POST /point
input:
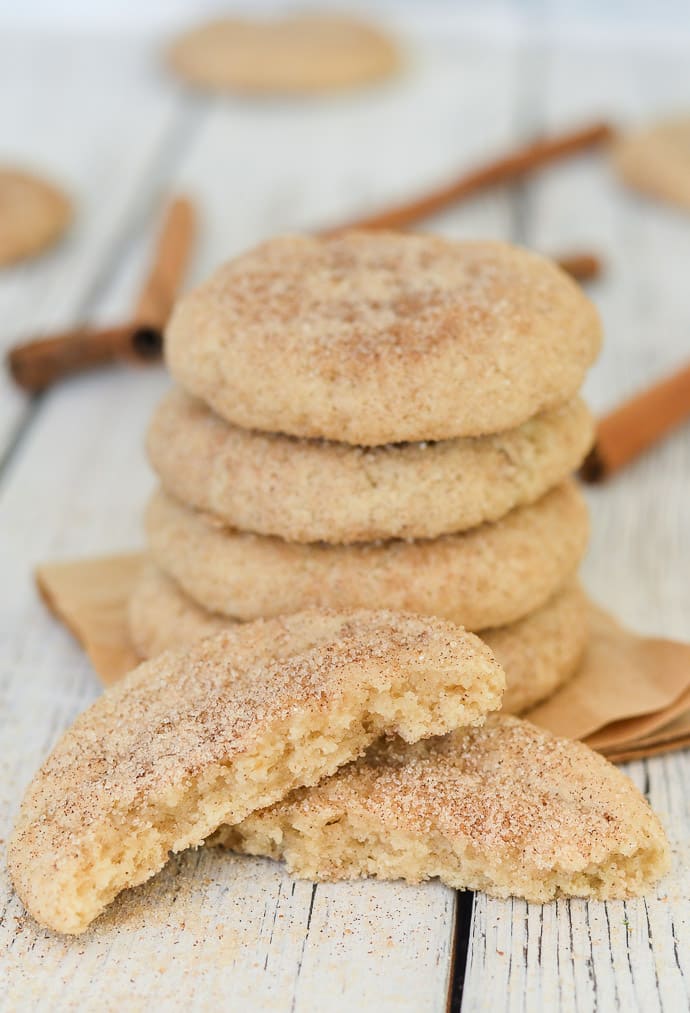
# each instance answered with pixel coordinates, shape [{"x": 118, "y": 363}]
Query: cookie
[
  {"x": 488, "y": 576},
  {"x": 507, "y": 808},
  {"x": 301, "y": 54},
  {"x": 542, "y": 651},
  {"x": 656, "y": 160},
  {"x": 204, "y": 736},
  {"x": 380, "y": 337},
  {"x": 161, "y": 617},
  {"x": 33, "y": 215},
  {"x": 313, "y": 490},
  {"x": 537, "y": 653}
]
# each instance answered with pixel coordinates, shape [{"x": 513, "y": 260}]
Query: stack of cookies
[{"x": 376, "y": 420}]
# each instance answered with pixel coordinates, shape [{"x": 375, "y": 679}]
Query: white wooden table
[{"x": 214, "y": 931}]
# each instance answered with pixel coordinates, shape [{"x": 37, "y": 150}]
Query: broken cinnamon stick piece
[
  {"x": 506, "y": 169},
  {"x": 637, "y": 424},
  {"x": 171, "y": 257},
  {"x": 581, "y": 266},
  {"x": 38, "y": 364},
  {"x": 35, "y": 365}
]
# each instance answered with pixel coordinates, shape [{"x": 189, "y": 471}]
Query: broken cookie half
[
  {"x": 204, "y": 736},
  {"x": 506, "y": 808}
]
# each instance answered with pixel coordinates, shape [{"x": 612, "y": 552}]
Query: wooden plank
[
  {"x": 83, "y": 111},
  {"x": 258, "y": 170},
  {"x": 354, "y": 925},
  {"x": 633, "y": 955},
  {"x": 213, "y": 929}
]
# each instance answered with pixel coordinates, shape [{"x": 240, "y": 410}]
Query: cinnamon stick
[
  {"x": 506, "y": 169},
  {"x": 37, "y": 364},
  {"x": 171, "y": 257},
  {"x": 637, "y": 424},
  {"x": 581, "y": 266}
]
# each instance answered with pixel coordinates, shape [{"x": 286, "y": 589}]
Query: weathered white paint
[
  {"x": 212, "y": 929},
  {"x": 215, "y": 930},
  {"x": 91, "y": 114},
  {"x": 632, "y": 956}
]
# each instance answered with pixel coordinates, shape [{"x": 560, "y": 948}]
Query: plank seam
[
  {"x": 528, "y": 110},
  {"x": 462, "y": 930},
  {"x": 293, "y": 1004},
  {"x": 172, "y": 148}
]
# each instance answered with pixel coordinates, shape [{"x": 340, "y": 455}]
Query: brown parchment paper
[
  {"x": 90, "y": 597},
  {"x": 630, "y": 697}
]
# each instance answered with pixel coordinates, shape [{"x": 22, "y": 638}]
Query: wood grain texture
[
  {"x": 633, "y": 955},
  {"x": 212, "y": 927},
  {"x": 213, "y": 930},
  {"x": 88, "y": 113}
]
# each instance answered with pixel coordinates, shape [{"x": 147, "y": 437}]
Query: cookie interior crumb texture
[
  {"x": 379, "y": 337},
  {"x": 204, "y": 736},
  {"x": 316, "y": 490},
  {"x": 507, "y": 808}
]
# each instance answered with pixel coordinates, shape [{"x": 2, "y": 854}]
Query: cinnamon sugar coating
[
  {"x": 380, "y": 337},
  {"x": 489, "y": 576},
  {"x": 542, "y": 651},
  {"x": 206, "y": 735},
  {"x": 538, "y": 653},
  {"x": 161, "y": 617},
  {"x": 312, "y": 490},
  {"x": 506, "y": 808}
]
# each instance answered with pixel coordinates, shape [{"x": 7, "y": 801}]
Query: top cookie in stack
[
  {"x": 377, "y": 338},
  {"x": 375, "y": 420}
]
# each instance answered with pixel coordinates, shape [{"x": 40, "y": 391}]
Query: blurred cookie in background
[
  {"x": 656, "y": 160},
  {"x": 302, "y": 54},
  {"x": 34, "y": 214}
]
